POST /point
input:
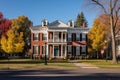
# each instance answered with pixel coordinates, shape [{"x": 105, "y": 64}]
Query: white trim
[{"x": 53, "y": 52}]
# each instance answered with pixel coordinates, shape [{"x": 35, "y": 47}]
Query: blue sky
[{"x": 37, "y": 10}]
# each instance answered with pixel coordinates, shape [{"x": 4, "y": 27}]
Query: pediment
[{"x": 58, "y": 23}]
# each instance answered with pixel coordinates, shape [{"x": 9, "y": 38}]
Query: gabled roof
[{"x": 58, "y": 23}]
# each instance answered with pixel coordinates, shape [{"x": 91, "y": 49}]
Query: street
[{"x": 58, "y": 74}]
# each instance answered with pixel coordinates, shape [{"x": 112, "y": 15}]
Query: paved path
[{"x": 83, "y": 65}]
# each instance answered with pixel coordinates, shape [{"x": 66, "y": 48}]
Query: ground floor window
[
  {"x": 77, "y": 50},
  {"x": 69, "y": 48},
  {"x": 36, "y": 49},
  {"x": 56, "y": 50},
  {"x": 83, "y": 49}
]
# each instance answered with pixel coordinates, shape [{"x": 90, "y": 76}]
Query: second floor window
[
  {"x": 69, "y": 37},
  {"x": 44, "y": 36},
  {"x": 78, "y": 37},
  {"x": 35, "y": 36},
  {"x": 83, "y": 37}
]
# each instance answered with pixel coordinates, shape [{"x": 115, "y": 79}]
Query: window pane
[
  {"x": 35, "y": 36},
  {"x": 78, "y": 37},
  {"x": 69, "y": 48},
  {"x": 69, "y": 37},
  {"x": 77, "y": 50},
  {"x": 83, "y": 37},
  {"x": 36, "y": 50},
  {"x": 83, "y": 48},
  {"x": 44, "y": 36}
]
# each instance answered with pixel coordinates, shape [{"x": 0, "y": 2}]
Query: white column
[
  {"x": 65, "y": 37},
  {"x": 53, "y": 51},
  {"x": 61, "y": 36},
  {"x": 53, "y": 36},
  {"x": 65, "y": 50},
  {"x": 47, "y": 36},
  {"x": 61, "y": 51}
]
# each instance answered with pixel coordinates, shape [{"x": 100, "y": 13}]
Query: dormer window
[
  {"x": 44, "y": 23},
  {"x": 71, "y": 23}
]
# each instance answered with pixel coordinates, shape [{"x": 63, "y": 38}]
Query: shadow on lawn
[{"x": 31, "y": 61}]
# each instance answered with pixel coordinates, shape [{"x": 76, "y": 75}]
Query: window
[
  {"x": 35, "y": 36},
  {"x": 83, "y": 37},
  {"x": 78, "y": 37},
  {"x": 83, "y": 48},
  {"x": 43, "y": 49},
  {"x": 77, "y": 50},
  {"x": 56, "y": 37},
  {"x": 36, "y": 49},
  {"x": 73, "y": 36},
  {"x": 69, "y": 37},
  {"x": 44, "y": 36},
  {"x": 69, "y": 48}
]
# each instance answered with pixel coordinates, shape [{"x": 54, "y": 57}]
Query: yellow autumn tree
[
  {"x": 4, "y": 43},
  {"x": 13, "y": 42},
  {"x": 96, "y": 37},
  {"x": 19, "y": 46}
]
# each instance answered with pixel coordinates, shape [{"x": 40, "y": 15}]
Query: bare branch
[
  {"x": 115, "y": 3},
  {"x": 97, "y": 2},
  {"x": 116, "y": 15}
]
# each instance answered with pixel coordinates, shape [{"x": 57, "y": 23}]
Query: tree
[
  {"x": 111, "y": 8},
  {"x": 4, "y": 25},
  {"x": 97, "y": 37},
  {"x": 22, "y": 24},
  {"x": 13, "y": 42},
  {"x": 80, "y": 20}
]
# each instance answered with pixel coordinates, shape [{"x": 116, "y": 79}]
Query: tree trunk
[{"x": 114, "y": 60}]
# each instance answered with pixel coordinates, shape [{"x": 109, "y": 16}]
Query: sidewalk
[{"x": 83, "y": 65}]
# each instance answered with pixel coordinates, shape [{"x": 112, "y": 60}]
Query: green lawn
[
  {"x": 35, "y": 64},
  {"x": 101, "y": 63}
]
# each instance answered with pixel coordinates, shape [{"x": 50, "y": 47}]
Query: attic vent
[
  {"x": 71, "y": 23},
  {"x": 44, "y": 23}
]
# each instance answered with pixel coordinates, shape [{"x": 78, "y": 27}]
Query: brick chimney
[{"x": 84, "y": 25}]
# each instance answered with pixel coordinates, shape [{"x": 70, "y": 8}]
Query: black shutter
[
  {"x": 80, "y": 36},
  {"x": 86, "y": 37}
]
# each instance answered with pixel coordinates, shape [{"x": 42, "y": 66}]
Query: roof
[{"x": 58, "y": 23}]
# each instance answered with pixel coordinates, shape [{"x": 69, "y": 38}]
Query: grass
[
  {"x": 35, "y": 64},
  {"x": 101, "y": 63}
]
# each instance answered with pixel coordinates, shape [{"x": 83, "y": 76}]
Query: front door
[{"x": 56, "y": 51}]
